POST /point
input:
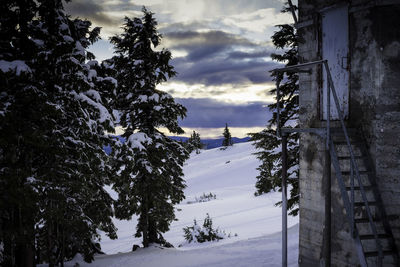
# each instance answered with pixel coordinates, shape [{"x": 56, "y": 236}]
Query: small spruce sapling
[
  {"x": 205, "y": 233},
  {"x": 194, "y": 143},
  {"x": 203, "y": 198}
]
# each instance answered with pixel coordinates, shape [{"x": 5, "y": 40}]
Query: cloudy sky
[{"x": 221, "y": 51}]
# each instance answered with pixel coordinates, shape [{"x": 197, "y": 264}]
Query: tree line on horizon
[{"x": 194, "y": 142}]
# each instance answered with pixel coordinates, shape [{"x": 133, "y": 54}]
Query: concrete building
[{"x": 360, "y": 39}]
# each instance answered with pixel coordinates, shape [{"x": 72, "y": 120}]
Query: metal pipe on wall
[
  {"x": 284, "y": 200},
  {"x": 327, "y": 224},
  {"x": 328, "y": 203}
]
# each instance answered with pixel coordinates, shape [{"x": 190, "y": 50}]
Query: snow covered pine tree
[
  {"x": 52, "y": 127},
  {"x": 148, "y": 165},
  {"x": 20, "y": 135},
  {"x": 270, "y": 155},
  {"x": 194, "y": 143},
  {"x": 227, "y": 137}
]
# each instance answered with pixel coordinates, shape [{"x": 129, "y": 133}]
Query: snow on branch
[
  {"x": 104, "y": 114},
  {"x": 16, "y": 65},
  {"x": 137, "y": 140}
]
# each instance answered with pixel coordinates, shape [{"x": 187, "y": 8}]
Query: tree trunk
[
  {"x": 145, "y": 214},
  {"x": 152, "y": 232},
  {"x": 50, "y": 242},
  {"x": 29, "y": 255},
  {"x": 29, "y": 246},
  {"x": 62, "y": 246},
  {"x": 24, "y": 254}
]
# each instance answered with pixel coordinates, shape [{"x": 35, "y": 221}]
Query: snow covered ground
[{"x": 230, "y": 175}]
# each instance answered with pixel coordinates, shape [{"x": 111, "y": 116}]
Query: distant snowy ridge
[
  {"x": 213, "y": 142},
  {"x": 209, "y": 143}
]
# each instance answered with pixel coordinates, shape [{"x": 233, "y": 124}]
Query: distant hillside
[
  {"x": 212, "y": 143},
  {"x": 208, "y": 143}
]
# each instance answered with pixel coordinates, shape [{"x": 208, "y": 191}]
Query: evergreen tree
[
  {"x": 18, "y": 106},
  {"x": 270, "y": 177},
  {"x": 194, "y": 143},
  {"x": 74, "y": 201},
  {"x": 52, "y": 124},
  {"x": 227, "y": 137},
  {"x": 149, "y": 177}
]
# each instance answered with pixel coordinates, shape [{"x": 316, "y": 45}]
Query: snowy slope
[
  {"x": 230, "y": 175},
  {"x": 257, "y": 252}
]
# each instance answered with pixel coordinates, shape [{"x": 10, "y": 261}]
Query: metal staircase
[
  {"x": 355, "y": 174},
  {"x": 366, "y": 214}
]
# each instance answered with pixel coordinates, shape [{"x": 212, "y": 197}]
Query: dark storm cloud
[
  {"x": 255, "y": 54},
  {"x": 214, "y": 57},
  {"x": 219, "y": 71},
  {"x": 217, "y": 57},
  {"x": 96, "y": 12},
  {"x": 186, "y": 38},
  {"x": 178, "y": 26},
  {"x": 205, "y": 44},
  {"x": 89, "y": 9},
  {"x": 230, "y": 7},
  {"x": 209, "y": 113}
]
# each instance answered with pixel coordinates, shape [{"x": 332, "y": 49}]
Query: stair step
[
  {"x": 368, "y": 237},
  {"x": 392, "y": 217},
  {"x": 362, "y": 203},
  {"x": 356, "y": 188},
  {"x": 360, "y": 172},
  {"x": 365, "y": 220},
  {"x": 353, "y": 143},
  {"x": 339, "y": 131},
  {"x": 376, "y": 254},
  {"x": 348, "y": 157}
]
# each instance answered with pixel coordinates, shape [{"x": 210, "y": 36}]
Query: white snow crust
[{"x": 231, "y": 175}]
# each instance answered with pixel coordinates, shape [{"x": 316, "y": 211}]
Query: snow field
[
  {"x": 231, "y": 175},
  {"x": 257, "y": 252}
]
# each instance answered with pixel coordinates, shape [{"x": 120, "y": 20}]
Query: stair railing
[
  {"x": 353, "y": 166},
  {"x": 354, "y": 170}
]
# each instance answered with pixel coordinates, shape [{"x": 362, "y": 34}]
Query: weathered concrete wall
[
  {"x": 376, "y": 83},
  {"x": 374, "y": 36},
  {"x": 311, "y": 154}
]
